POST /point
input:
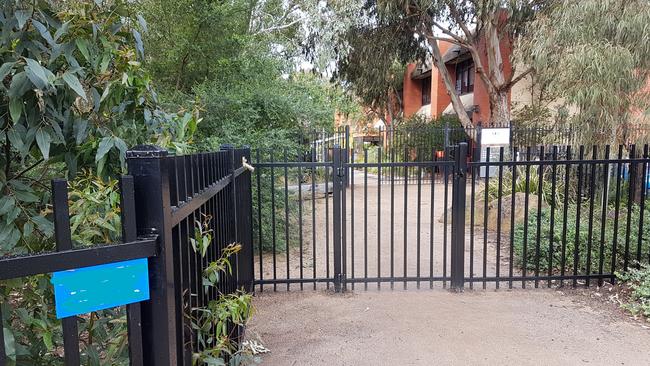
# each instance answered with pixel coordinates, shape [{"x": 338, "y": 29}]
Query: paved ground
[{"x": 436, "y": 327}]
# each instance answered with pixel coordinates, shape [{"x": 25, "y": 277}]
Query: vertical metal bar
[
  {"x": 592, "y": 198},
  {"x": 327, "y": 220},
  {"x": 485, "y": 213},
  {"x": 472, "y": 213},
  {"x": 273, "y": 229},
  {"x": 513, "y": 201},
  {"x": 300, "y": 218},
  {"x": 63, "y": 238},
  {"x": 432, "y": 216},
  {"x": 286, "y": 215},
  {"x": 525, "y": 246},
  {"x": 245, "y": 264},
  {"x": 567, "y": 177},
  {"x": 540, "y": 178},
  {"x": 313, "y": 219},
  {"x": 630, "y": 202},
  {"x": 551, "y": 228},
  {"x": 445, "y": 219},
  {"x": 160, "y": 330},
  {"x": 405, "y": 216},
  {"x": 499, "y": 194},
  {"x": 344, "y": 218},
  {"x": 379, "y": 217},
  {"x": 365, "y": 218},
  {"x": 458, "y": 220},
  {"x": 643, "y": 186},
  {"x": 576, "y": 249},
  {"x": 603, "y": 215},
  {"x": 617, "y": 206},
  {"x": 352, "y": 216},
  {"x": 336, "y": 213},
  {"x": 418, "y": 217},
  {"x": 259, "y": 219},
  {"x": 129, "y": 233},
  {"x": 392, "y": 218}
]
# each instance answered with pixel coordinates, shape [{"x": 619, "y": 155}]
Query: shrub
[
  {"x": 584, "y": 243},
  {"x": 639, "y": 282}
]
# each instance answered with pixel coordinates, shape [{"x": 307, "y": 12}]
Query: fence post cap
[{"x": 146, "y": 151}]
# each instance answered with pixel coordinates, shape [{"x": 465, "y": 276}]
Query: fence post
[
  {"x": 458, "y": 219},
  {"x": 336, "y": 213},
  {"x": 161, "y": 317}
]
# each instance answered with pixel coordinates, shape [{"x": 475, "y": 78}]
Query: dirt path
[{"x": 519, "y": 327}]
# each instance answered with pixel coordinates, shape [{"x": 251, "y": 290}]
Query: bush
[
  {"x": 583, "y": 239},
  {"x": 638, "y": 281}
]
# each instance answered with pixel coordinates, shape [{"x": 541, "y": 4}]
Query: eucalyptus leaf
[
  {"x": 43, "y": 140},
  {"x": 15, "y": 108},
  {"x": 105, "y": 146},
  {"x": 36, "y": 74},
  {"x": 74, "y": 84}
]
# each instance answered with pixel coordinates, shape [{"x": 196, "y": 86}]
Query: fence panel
[{"x": 541, "y": 219}]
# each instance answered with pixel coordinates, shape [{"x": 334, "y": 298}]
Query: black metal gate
[
  {"x": 542, "y": 216},
  {"x": 348, "y": 220}
]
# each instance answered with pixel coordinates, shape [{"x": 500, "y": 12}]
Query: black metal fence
[
  {"x": 561, "y": 215},
  {"x": 163, "y": 200}
]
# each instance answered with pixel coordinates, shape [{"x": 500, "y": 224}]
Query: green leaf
[
  {"x": 43, "y": 140},
  {"x": 22, "y": 16},
  {"x": 6, "y": 203},
  {"x": 74, "y": 84},
  {"x": 105, "y": 146},
  {"x": 15, "y": 108},
  {"x": 27, "y": 197},
  {"x": 139, "y": 46},
  {"x": 82, "y": 45},
  {"x": 62, "y": 30},
  {"x": 44, "y": 225},
  {"x": 36, "y": 74},
  {"x": 47, "y": 339},
  {"x": 5, "y": 69},
  {"x": 10, "y": 343},
  {"x": 80, "y": 131},
  {"x": 19, "y": 85}
]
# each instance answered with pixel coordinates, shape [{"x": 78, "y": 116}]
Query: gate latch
[{"x": 245, "y": 164}]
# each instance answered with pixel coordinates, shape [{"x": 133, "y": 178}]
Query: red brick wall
[{"x": 412, "y": 92}]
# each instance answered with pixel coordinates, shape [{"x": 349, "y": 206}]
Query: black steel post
[
  {"x": 161, "y": 332},
  {"x": 336, "y": 213},
  {"x": 63, "y": 238},
  {"x": 458, "y": 219}
]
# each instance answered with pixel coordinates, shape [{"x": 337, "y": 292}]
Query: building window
[
  {"x": 465, "y": 77},
  {"x": 426, "y": 91}
]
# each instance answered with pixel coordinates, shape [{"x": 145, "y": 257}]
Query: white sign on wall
[{"x": 495, "y": 136}]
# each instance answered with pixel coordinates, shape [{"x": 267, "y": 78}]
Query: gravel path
[{"x": 436, "y": 327}]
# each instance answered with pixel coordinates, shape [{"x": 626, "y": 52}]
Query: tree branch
[
  {"x": 519, "y": 77},
  {"x": 24, "y": 171},
  {"x": 462, "y": 41},
  {"x": 456, "y": 15}
]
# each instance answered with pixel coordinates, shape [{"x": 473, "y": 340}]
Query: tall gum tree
[{"x": 482, "y": 27}]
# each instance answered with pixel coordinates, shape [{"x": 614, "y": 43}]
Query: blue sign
[{"x": 82, "y": 290}]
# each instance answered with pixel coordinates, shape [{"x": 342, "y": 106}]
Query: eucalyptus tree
[
  {"x": 595, "y": 55},
  {"x": 405, "y": 30}
]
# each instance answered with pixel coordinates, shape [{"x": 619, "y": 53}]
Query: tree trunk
[
  {"x": 459, "y": 108},
  {"x": 499, "y": 109}
]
